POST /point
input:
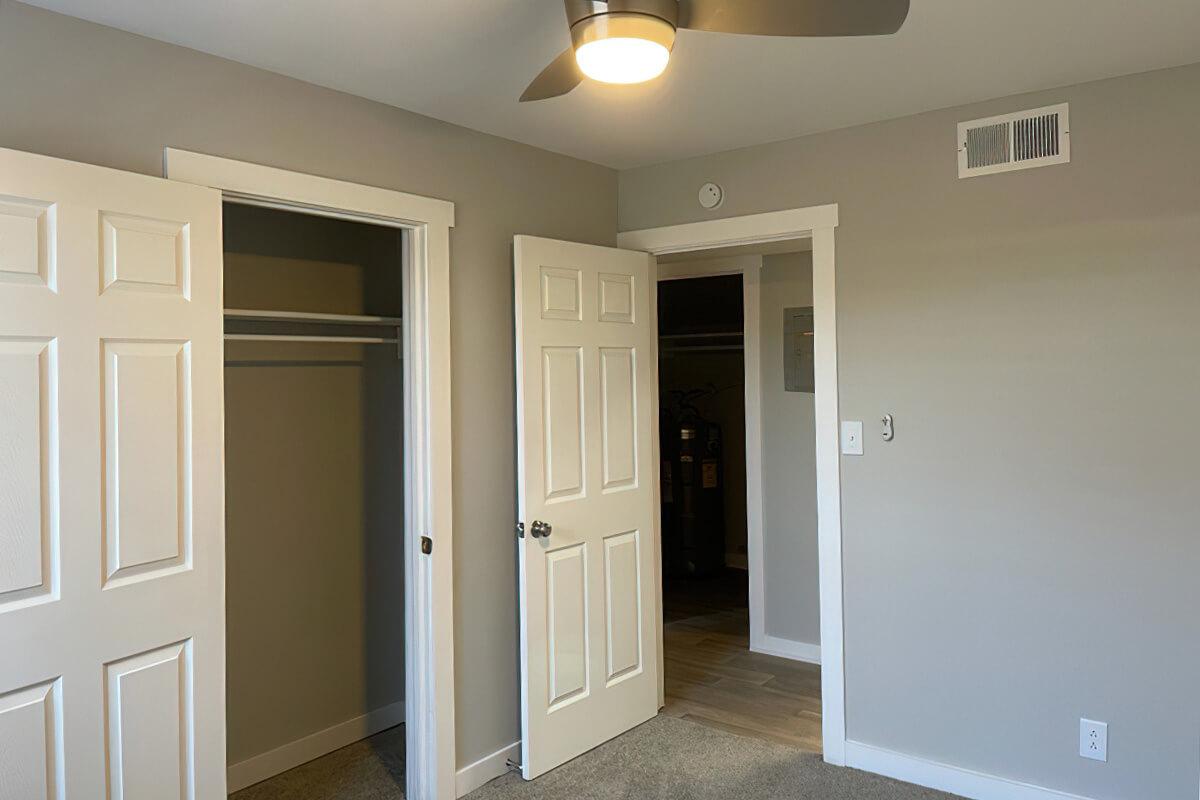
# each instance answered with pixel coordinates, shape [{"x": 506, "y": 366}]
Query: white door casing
[
  {"x": 112, "y": 680},
  {"x": 819, "y": 223},
  {"x": 429, "y": 590},
  {"x": 584, "y": 350}
]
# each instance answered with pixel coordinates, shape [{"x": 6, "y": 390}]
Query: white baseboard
[
  {"x": 271, "y": 763},
  {"x": 945, "y": 778},
  {"x": 472, "y": 776},
  {"x": 786, "y": 648}
]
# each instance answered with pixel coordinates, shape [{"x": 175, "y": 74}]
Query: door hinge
[{"x": 426, "y": 545}]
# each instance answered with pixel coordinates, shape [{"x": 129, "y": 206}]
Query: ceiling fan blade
[
  {"x": 561, "y": 76},
  {"x": 794, "y": 17}
]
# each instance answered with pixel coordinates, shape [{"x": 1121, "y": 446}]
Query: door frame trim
[
  {"x": 817, "y": 223},
  {"x": 428, "y": 585}
]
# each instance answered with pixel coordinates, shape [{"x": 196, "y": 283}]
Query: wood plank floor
[{"x": 713, "y": 678}]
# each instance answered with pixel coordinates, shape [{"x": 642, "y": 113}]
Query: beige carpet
[
  {"x": 665, "y": 759},
  {"x": 673, "y": 759}
]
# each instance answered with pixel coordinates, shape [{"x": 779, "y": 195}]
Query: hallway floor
[{"x": 712, "y": 677}]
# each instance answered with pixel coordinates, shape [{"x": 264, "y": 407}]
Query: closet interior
[{"x": 314, "y": 452}]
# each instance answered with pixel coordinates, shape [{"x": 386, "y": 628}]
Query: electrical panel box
[{"x": 798, "y": 349}]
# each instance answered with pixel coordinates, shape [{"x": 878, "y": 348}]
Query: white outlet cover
[
  {"x": 852, "y": 437},
  {"x": 1093, "y": 739}
]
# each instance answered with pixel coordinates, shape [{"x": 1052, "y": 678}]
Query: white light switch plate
[{"x": 852, "y": 437}]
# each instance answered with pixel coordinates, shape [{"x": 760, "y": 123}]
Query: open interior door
[
  {"x": 112, "y": 647},
  {"x": 587, "y": 490}
]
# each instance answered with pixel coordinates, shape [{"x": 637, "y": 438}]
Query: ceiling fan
[{"x": 630, "y": 41}]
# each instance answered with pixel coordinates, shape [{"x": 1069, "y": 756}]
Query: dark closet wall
[{"x": 314, "y": 484}]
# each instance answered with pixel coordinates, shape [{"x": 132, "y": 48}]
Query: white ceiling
[{"x": 467, "y": 61}]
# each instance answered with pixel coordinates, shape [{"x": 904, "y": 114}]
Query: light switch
[{"x": 852, "y": 437}]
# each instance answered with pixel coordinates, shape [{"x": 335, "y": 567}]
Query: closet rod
[
  {"x": 258, "y": 337},
  {"x": 701, "y": 348},
  {"x": 310, "y": 316},
  {"x": 717, "y": 335}
]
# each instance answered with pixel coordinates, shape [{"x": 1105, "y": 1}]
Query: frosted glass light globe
[{"x": 623, "y": 47}]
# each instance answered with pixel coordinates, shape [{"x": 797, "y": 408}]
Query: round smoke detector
[{"x": 711, "y": 195}]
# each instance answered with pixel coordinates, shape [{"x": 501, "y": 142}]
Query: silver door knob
[{"x": 540, "y": 530}]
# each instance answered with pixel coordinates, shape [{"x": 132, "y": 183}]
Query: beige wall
[
  {"x": 1025, "y": 552},
  {"x": 314, "y": 539},
  {"x": 791, "y": 588},
  {"x": 94, "y": 94}
]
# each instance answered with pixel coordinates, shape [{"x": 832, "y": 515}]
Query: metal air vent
[{"x": 1023, "y": 140}]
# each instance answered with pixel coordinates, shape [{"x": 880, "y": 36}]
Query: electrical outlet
[{"x": 1093, "y": 739}]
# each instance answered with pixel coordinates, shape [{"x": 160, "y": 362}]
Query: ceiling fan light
[{"x": 623, "y": 47}]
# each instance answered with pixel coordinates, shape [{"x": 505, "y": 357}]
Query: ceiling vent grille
[{"x": 1008, "y": 142}]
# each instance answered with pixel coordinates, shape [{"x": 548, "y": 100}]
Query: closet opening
[
  {"x": 737, "y": 426},
  {"x": 315, "y": 501}
]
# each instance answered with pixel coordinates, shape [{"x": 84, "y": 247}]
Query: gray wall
[
  {"x": 314, "y": 540},
  {"x": 1025, "y": 552},
  {"x": 93, "y": 94},
  {"x": 791, "y": 588}
]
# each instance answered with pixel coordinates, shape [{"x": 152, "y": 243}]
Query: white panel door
[
  {"x": 112, "y": 643},
  {"x": 586, "y": 478}
]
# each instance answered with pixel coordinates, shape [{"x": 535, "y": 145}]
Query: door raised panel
[
  {"x": 623, "y": 605},
  {"x": 26, "y": 241},
  {"x": 147, "y": 444},
  {"x": 111, "y": 501},
  {"x": 145, "y": 255},
  {"x": 618, "y": 417},
  {"x": 562, "y": 293},
  {"x": 31, "y": 744},
  {"x": 616, "y": 298},
  {"x": 563, "y": 424},
  {"x": 148, "y": 724},
  {"x": 567, "y": 637},
  {"x": 588, "y": 664},
  {"x": 28, "y": 471}
]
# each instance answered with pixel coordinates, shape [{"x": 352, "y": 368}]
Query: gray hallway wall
[{"x": 791, "y": 581}]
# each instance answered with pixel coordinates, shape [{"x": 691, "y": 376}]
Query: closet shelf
[
  {"x": 310, "y": 316},
  {"x": 352, "y": 321},
  {"x": 262, "y": 337},
  {"x": 713, "y": 342},
  {"x": 714, "y": 335},
  {"x": 702, "y": 348}
]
